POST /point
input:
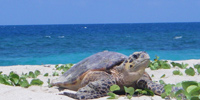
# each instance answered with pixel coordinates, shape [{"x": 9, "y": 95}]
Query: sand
[{"x": 45, "y": 93}]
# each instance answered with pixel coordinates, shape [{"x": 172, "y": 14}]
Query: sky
[{"x": 31, "y": 12}]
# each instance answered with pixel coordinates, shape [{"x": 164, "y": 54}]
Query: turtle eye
[{"x": 135, "y": 56}]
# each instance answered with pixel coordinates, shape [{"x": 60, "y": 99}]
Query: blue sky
[{"x": 28, "y": 12}]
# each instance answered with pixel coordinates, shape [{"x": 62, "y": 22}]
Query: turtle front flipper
[
  {"x": 95, "y": 89},
  {"x": 145, "y": 82}
]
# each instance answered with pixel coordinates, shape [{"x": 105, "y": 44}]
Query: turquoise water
[{"x": 60, "y": 44}]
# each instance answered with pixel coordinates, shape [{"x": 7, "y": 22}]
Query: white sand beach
[{"x": 45, "y": 93}]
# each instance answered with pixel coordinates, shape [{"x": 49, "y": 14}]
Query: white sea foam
[
  {"x": 61, "y": 36},
  {"x": 48, "y": 36},
  {"x": 177, "y": 37}
]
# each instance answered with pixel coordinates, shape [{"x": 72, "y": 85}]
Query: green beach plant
[
  {"x": 14, "y": 79},
  {"x": 129, "y": 92},
  {"x": 190, "y": 91},
  {"x": 36, "y": 82},
  {"x": 144, "y": 92},
  {"x": 177, "y": 72},
  {"x": 159, "y": 64},
  {"x": 197, "y": 66},
  {"x": 182, "y": 65},
  {"x": 112, "y": 89},
  {"x": 46, "y": 74},
  {"x": 190, "y": 71},
  {"x": 63, "y": 68},
  {"x": 162, "y": 82},
  {"x": 55, "y": 74},
  {"x": 49, "y": 83},
  {"x": 162, "y": 76}
]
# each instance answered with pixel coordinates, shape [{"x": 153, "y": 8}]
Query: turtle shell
[{"x": 100, "y": 61}]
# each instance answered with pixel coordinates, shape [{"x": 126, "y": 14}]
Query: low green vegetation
[
  {"x": 159, "y": 64},
  {"x": 177, "y": 72},
  {"x": 182, "y": 65},
  {"x": 190, "y": 90},
  {"x": 14, "y": 79},
  {"x": 129, "y": 91},
  {"x": 197, "y": 66},
  {"x": 162, "y": 76},
  {"x": 63, "y": 68},
  {"x": 190, "y": 71},
  {"x": 112, "y": 89}
]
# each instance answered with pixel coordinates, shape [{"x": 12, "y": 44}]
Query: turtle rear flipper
[{"x": 95, "y": 89}]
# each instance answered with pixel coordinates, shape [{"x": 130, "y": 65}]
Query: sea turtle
[{"x": 93, "y": 76}]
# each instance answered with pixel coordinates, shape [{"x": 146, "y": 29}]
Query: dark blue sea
[{"x": 61, "y": 44}]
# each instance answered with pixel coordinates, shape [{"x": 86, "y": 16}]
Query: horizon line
[{"x": 99, "y": 23}]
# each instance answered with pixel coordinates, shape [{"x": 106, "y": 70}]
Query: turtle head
[
  {"x": 134, "y": 67},
  {"x": 137, "y": 62}
]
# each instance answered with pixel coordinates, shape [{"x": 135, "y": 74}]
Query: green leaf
[
  {"x": 37, "y": 72},
  {"x": 1, "y": 72},
  {"x": 186, "y": 84},
  {"x": 3, "y": 80},
  {"x": 173, "y": 64},
  {"x": 195, "y": 98},
  {"x": 31, "y": 75},
  {"x": 161, "y": 82},
  {"x": 49, "y": 83},
  {"x": 198, "y": 70},
  {"x": 197, "y": 66},
  {"x": 114, "y": 88},
  {"x": 163, "y": 95},
  {"x": 178, "y": 92},
  {"x": 162, "y": 76},
  {"x": 56, "y": 66},
  {"x": 14, "y": 78},
  {"x": 177, "y": 72},
  {"x": 55, "y": 74},
  {"x": 152, "y": 75},
  {"x": 190, "y": 71},
  {"x": 24, "y": 83},
  {"x": 144, "y": 92},
  {"x": 166, "y": 66},
  {"x": 112, "y": 95},
  {"x": 24, "y": 75},
  {"x": 129, "y": 90},
  {"x": 152, "y": 67},
  {"x": 190, "y": 88},
  {"x": 46, "y": 74},
  {"x": 138, "y": 91},
  {"x": 183, "y": 66},
  {"x": 168, "y": 89},
  {"x": 193, "y": 90},
  {"x": 59, "y": 68},
  {"x": 149, "y": 92},
  {"x": 36, "y": 82}
]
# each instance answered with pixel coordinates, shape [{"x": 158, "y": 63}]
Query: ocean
[{"x": 62, "y": 44}]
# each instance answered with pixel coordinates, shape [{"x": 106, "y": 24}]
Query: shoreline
[{"x": 45, "y": 93}]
